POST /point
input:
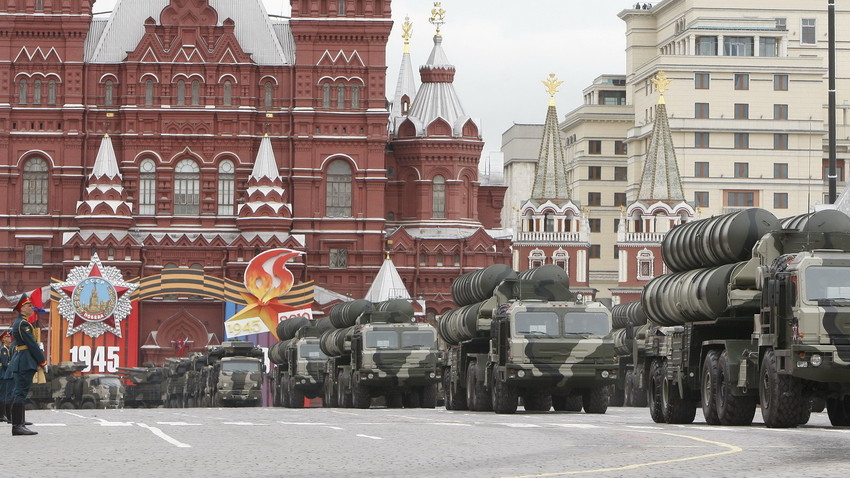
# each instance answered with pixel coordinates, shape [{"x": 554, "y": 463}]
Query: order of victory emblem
[{"x": 94, "y": 299}]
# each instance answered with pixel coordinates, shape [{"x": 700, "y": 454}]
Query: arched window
[
  {"x": 341, "y": 8},
  {"x": 267, "y": 95},
  {"x": 338, "y": 196},
  {"x": 39, "y": 5},
  {"x": 196, "y": 93},
  {"x": 181, "y": 93},
  {"x": 439, "y": 196},
  {"x": 355, "y": 96},
  {"x": 326, "y": 95},
  {"x": 225, "y": 188},
  {"x": 561, "y": 258},
  {"x": 548, "y": 222},
  {"x": 36, "y": 93},
  {"x": 35, "y": 186},
  {"x": 22, "y": 92},
  {"x": 149, "y": 92},
  {"x": 107, "y": 93},
  {"x": 646, "y": 265},
  {"x": 536, "y": 258},
  {"x": 228, "y": 93},
  {"x": 187, "y": 188},
  {"x": 147, "y": 188},
  {"x": 340, "y": 96},
  {"x": 51, "y": 92}
]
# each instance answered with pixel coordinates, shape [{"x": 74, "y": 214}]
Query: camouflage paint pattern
[{"x": 399, "y": 366}]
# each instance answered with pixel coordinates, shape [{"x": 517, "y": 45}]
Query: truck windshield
[
  {"x": 381, "y": 339},
  {"x": 827, "y": 283},
  {"x": 107, "y": 382},
  {"x": 537, "y": 323},
  {"x": 240, "y": 366},
  {"x": 312, "y": 351},
  {"x": 586, "y": 323},
  {"x": 417, "y": 338}
]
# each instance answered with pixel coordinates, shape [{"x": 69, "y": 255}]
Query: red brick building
[{"x": 197, "y": 134}]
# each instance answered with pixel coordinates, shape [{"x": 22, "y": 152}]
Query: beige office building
[{"x": 747, "y": 112}]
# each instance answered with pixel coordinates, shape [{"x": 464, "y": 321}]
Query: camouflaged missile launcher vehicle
[
  {"x": 233, "y": 376},
  {"x": 382, "y": 353},
  {"x": 629, "y": 334},
  {"x": 299, "y": 367},
  {"x": 145, "y": 389},
  {"x": 754, "y": 311},
  {"x": 528, "y": 340}
]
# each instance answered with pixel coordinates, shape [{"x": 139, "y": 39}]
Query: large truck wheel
[
  {"x": 455, "y": 400},
  {"x": 394, "y": 399},
  {"x": 360, "y": 395},
  {"x": 817, "y": 404},
  {"x": 343, "y": 399},
  {"x": 637, "y": 392},
  {"x": 653, "y": 391},
  {"x": 838, "y": 410},
  {"x": 732, "y": 410},
  {"x": 627, "y": 392},
  {"x": 537, "y": 401},
  {"x": 476, "y": 394},
  {"x": 284, "y": 389},
  {"x": 330, "y": 398},
  {"x": 676, "y": 409},
  {"x": 67, "y": 406},
  {"x": 504, "y": 396},
  {"x": 428, "y": 397},
  {"x": 296, "y": 396},
  {"x": 781, "y": 395},
  {"x": 595, "y": 400},
  {"x": 411, "y": 399},
  {"x": 708, "y": 380}
]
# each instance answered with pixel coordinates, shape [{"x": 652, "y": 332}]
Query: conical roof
[
  {"x": 437, "y": 97},
  {"x": 661, "y": 180},
  {"x": 406, "y": 85},
  {"x": 387, "y": 285},
  {"x": 550, "y": 173},
  {"x": 106, "y": 164},
  {"x": 265, "y": 166}
]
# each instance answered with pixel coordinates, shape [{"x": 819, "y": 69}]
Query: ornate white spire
[
  {"x": 550, "y": 173},
  {"x": 661, "y": 180}
]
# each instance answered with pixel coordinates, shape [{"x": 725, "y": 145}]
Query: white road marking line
[
  {"x": 156, "y": 431},
  {"x": 107, "y": 423},
  {"x": 711, "y": 428},
  {"x": 573, "y": 425},
  {"x": 369, "y": 436},
  {"x": 180, "y": 424},
  {"x": 50, "y": 425},
  {"x": 639, "y": 427},
  {"x": 520, "y": 425},
  {"x": 449, "y": 424},
  {"x": 75, "y": 415},
  {"x": 244, "y": 424},
  {"x": 304, "y": 423},
  {"x": 335, "y": 428}
]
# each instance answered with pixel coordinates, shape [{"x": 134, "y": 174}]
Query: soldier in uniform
[
  {"x": 5, "y": 384},
  {"x": 27, "y": 359}
]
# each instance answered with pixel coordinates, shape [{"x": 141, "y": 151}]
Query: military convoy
[
  {"x": 524, "y": 336},
  {"x": 299, "y": 362},
  {"x": 377, "y": 350},
  {"x": 753, "y": 311},
  {"x": 629, "y": 333},
  {"x": 65, "y": 388}
]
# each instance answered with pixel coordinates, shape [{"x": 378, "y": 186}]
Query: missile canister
[
  {"x": 716, "y": 241},
  {"x": 547, "y": 282},
  {"x": 345, "y": 314},
  {"x": 287, "y": 328},
  {"x": 461, "y": 324},
  {"x": 336, "y": 342},
  {"x": 277, "y": 352},
  {"x": 628, "y": 314},
  {"x": 828, "y": 220},
  {"x": 474, "y": 287},
  {"x": 700, "y": 294},
  {"x": 401, "y": 310}
]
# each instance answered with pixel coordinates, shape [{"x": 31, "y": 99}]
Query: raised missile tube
[
  {"x": 345, "y": 314},
  {"x": 474, "y": 287},
  {"x": 628, "y": 314},
  {"x": 695, "y": 295},
  {"x": 461, "y": 324},
  {"x": 336, "y": 342}
]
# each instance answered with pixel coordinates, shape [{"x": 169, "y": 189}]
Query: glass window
[
  {"x": 780, "y": 170},
  {"x": 780, "y": 112},
  {"x": 355, "y": 96},
  {"x": 586, "y": 323},
  {"x": 36, "y": 93},
  {"x": 742, "y": 81},
  {"x": 740, "y": 198},
  {"x": 338, "y": 194},
  {"x": 594, "y": 199},
  {"x": 707, "y": 46},
  {"x": 338, "y": 258},
  {"x": 51, "y": 92},
  {"x": 742, "y": 111},
  {"x": 738, "y": 46},
  {"x": 701, "y": 169},
  {"x": 380, "y": 339},
  {"x": 187, "y": 188},
  {"x": 742, "y": 140},
  {"x": 196, "y": 92},
  {"x": 594, "y": 146},
  {"x": 619, "y": 199},
  {"x": 701, "y": 198},
  {"x": 621, "y": 173},
  {"x": 742, "y": 170},
  {"x": 22, "y": 92},
  {"x": 147, "y": 187},
  {"x": 701, "y": 110},
  {"x": 595, "y": 251},
  {"x": 268, "y": 95},
  {"x": 620, "y": 147},
  {"x": 595, "y": 225},
  {"x": 417, "y": 339},
  {"x": 311, "y": 352},
  {"x": 225, "y": 188},
  {"x": 808, "y": 36},
  {"x": 702, "y": 81},
  {"x": 241, "y": 366},
  {"x": 701, "y": 139},
  {"x": 548, "y": 222},
  {"x": 823, "y": 282},
  {"x": 780, "y": 141},
  {"x": 33, "y": 255},
  {"x": 326, "y": 95},
  {"x": 35, "y": 186},
  {"x": 780, "y": 200},
  {"x": 228, "y": 93},
  {"x": 768, "y": 46},
  {"x": 439, "y": 199},
  {"x": 149, "y": 92},
  {"x": 340, "y": 96},
  {"x": 107, "y": 93},
  {"x": 341, "y": 8},
  {"x": 594, "y": 173},
  {"x": 181, "y": 93},
  {"x": 537, "y": 323},
  {"x": 780, "y": 82}
]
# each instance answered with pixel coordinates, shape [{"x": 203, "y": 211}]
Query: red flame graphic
[{"x": 265, "y": 286}]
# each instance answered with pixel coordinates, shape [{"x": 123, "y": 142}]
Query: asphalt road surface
[{"x": 317, "y": 442}]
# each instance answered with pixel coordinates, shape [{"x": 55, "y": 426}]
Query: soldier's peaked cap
[
  {"x": 23, "y": 299},
  {"x": 5, "y": 332}
]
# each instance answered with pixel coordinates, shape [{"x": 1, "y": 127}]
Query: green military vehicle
[
  {"x": 299, "y": 367},
  {"x": 754, "y": 311},
  {"x": 233, "y": 375},
  {"x": 65, "y": 388},
  {"x": 145, "y": 388},
  {"x": 522, "y": 336},
  {"x": 629, "y": 334},
  {"x": 377, "y": 350},
  {"x": 174, "y": 385}
]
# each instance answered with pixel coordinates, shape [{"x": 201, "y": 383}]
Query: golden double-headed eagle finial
[
  {"x": 661, "y": 83},
  {"x": 438, "y": 16},
  {"x": 552, "y": 83},
  {"x": 406, "y": 27}
]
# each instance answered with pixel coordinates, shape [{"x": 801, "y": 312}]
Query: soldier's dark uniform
[
  {"x": 27, "y": 359},
  {"x": 5, "y": 384}
]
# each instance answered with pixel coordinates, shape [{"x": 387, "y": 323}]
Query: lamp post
[{"x": 831, "y": 175}]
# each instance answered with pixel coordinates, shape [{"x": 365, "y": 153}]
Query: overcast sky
[{"x": 503, "y": 49}]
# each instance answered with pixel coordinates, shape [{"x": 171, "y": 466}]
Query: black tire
[
  {"x": 538, "y": 401},
  {"x": 428, "y": 396},
  {"x": 781, "y": 396},
  {"x": 805, "y": 415},
  {"x": 394, "y": 399},
  {"x": 505, "y": 396},
  {"x": 67, "y": 406},
  {"x": 595, "y": 400},
  {"x": 618, "y": 397},
  {"x": 676, "y": 408},
  {"x": 284, "y": 390},
  {"x": 638, "y": 392},
  {"x": 732, "y": 410},
  {"x": 87, "y": 405},
  {"x": 360, "y": 396},
  {"x": 411, "y": 399},
  {"x": 447, "y": 385},
  {"x": 567, "y": 403},
  {"x": 330, "y": 398},
  {"x": 708, "y": 390},
  {"x": 838, "y": 410},
  {"x": 343, "y": 399},
  {"x": 818, "y": 405},
  {"x": 296, "y": 396},
  {"x": 455, "y": 400},
  {"x": 477, "y": 396},
  {"x": 628, "y": 391},
  {"x": 653, "y": 391}
]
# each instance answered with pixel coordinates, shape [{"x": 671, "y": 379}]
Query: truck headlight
[
  {"x": 520, "y": 373},
  {"x": 370, "y": 376},
  {"x": 604, "y": 374},
  {"x": 816, "y": 360},
  {"x": 432, "y": 375}
]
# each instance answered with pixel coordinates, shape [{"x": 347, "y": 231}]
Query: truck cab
[{"x": 239, "y": 381}]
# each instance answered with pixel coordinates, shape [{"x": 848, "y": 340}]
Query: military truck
[
  {"x": 233, "y": 375},
  {"x": 92, "y": 391},
  {"x": 522, "y": 335},
  {"x": 299, "y": 366},
  {"x": 174, "y": 385},
  {"x": 629, "y": 334},
  {"x": 377, "y": 350},
  {"x": 144, "y": 387},
  {"x": 754, "y": 311}
]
